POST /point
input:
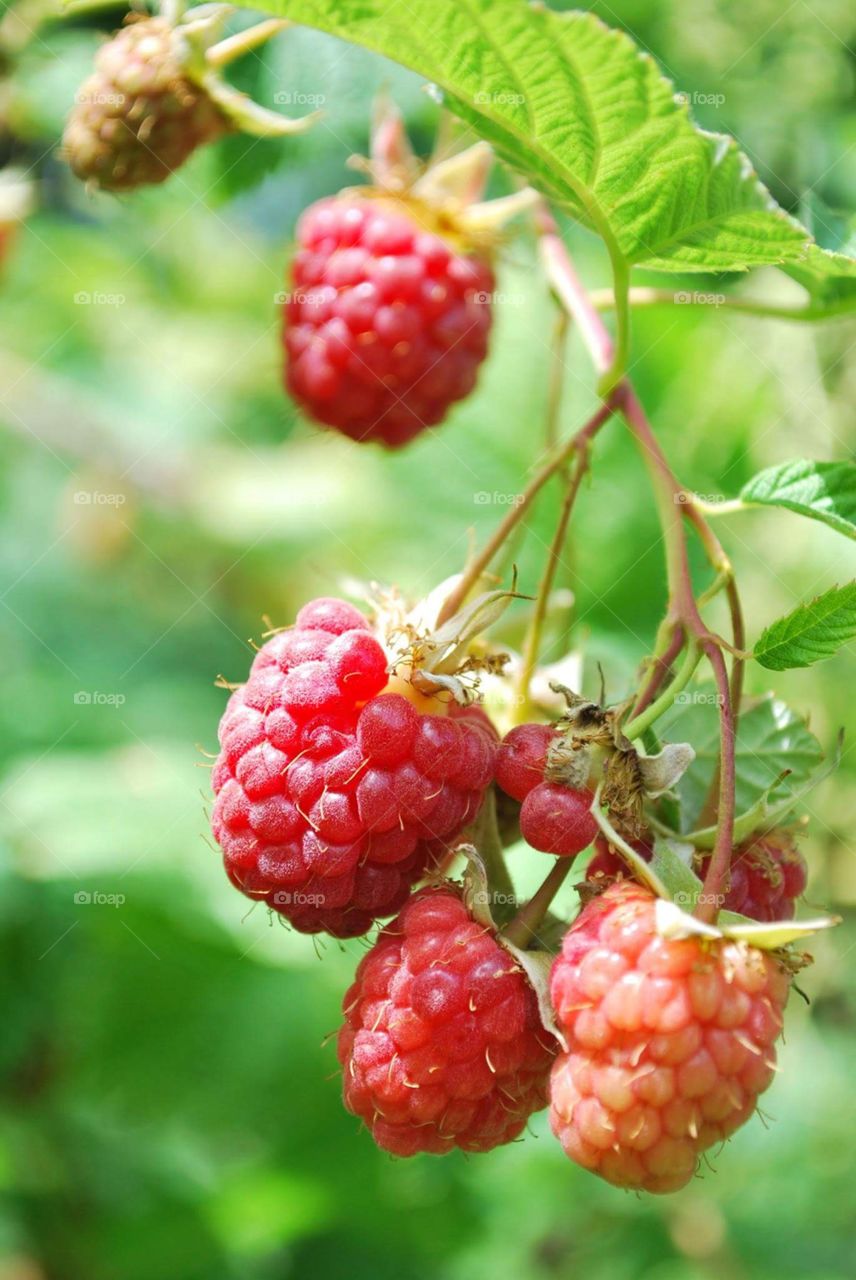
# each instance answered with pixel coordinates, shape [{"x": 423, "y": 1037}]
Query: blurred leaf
[{"x": 771, "y": 739}]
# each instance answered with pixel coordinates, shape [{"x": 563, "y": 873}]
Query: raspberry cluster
[
  {"x": 554, "y": 817},
  {"x": 442, "y": 1044},
  {"x": 138, "y": 117},
  {"x": 333, "y": 795},
  {"x": 670, "y": 1041},
  {"x": 386, "y": 320}
]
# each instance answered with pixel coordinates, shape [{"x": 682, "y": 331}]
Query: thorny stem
[
  {"x": 674, "y": 505},
  {"x": 560, "y": 457},
  {"x": 523, "y": 927}
]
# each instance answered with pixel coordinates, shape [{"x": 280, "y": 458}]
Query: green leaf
[
  {"x": 813, "y": 631},
  {"x": 771, "y": 740},
  {"x": 822, "y": 490},
  {"x": 587, "y": 118},
  {"x": 828, "y": 270}
]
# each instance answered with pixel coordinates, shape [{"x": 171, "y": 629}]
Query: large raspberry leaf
[{"x": 587, "y": 118}]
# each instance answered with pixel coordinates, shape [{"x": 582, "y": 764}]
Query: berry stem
[
  {"x": 522, "y": 928},
  {"x": 532, "y": 643},
  {"x": 636, "y": 727},
  {"x": 560, "y": 457},
  {"x": 487, "y": 840},
  {"x": 604, "y": 300},
  {"x": 670, "y": 642}
]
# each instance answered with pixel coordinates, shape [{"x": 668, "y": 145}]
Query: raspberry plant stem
[
  {"x": 523, "y": 927},
  {"x": 532, "y": 643},
  {"x": 604, "y": 300},
  {"x": 636, "y": 727},
  {"x": 560, "y": 457},
  {"x": 675, "y": 505}
]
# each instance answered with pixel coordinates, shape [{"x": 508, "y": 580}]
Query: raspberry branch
[
  {"x": 675, "y": 505},
  {"x": 577, "y": 443}
]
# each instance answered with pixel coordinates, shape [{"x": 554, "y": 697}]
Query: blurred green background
[{"x": 168, "y": 1110}]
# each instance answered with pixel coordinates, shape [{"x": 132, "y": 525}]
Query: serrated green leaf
[
  {"x": 812, "y": 632},
  {"x": 771, "y": 739},
  {"x": 823, "y": 491},
  {"x": 587, "y": 118},
  {"x": 828, "y": 270}
]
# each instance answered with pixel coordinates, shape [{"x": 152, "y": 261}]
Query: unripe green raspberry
[{"x": 138, "y": 116}]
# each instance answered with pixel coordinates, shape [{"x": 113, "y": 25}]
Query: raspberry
[
  {"x": 768, "y": 873},
  {"x": 387, "y": 321},
  {"x": 138, "y": 116},
  {"x": 557, "y": 819},
  {"x": 522, "y": 758},
  {"x": 442, "y": 1044},
  {"x": 333, "y": 797},
  {"x": 670, "y": 1042}
]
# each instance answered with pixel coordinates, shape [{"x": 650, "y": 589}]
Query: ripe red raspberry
[
  {"x": 333, "y": 796},
  {"x": 558, "y": 819},
  {"x": 138, "y": 117},
  {"x": 522, "y": 758},
  {"x": 670, "y": 1042},
  {"x": 768, "y": 874},
  {"x": 442, "y": 1044},
  {"x": 387, "y": 320}
]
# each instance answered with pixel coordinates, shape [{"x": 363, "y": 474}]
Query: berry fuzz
[
  {"x": 138, "y": 116},
  {"x": 670, "y": 1041},
  {"x": 333, "y": 797},
  {"x": 768, "y": 873},
  {"x": 442, "y": 1044},
  {"x": 387, "y": 321}
]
